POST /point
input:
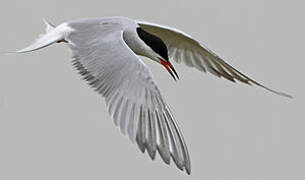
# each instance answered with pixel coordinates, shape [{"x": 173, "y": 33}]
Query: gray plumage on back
[
  {"x": 134, "y": 101},
  {"x": 104, "y": 51}
]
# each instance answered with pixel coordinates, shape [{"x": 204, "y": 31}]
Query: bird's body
[
  {"x": 104, "y": 51},
  {"x": 107, "y": 26}
]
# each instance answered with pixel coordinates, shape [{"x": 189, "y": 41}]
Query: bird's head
[{"x": 160, "y": 51}]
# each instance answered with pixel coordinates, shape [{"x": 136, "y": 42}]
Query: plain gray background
[{"x": 53, "y": 126}]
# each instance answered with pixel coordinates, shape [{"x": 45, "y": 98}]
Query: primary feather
[
  {"x": 104, "y": 51},
  {"x": 132, "y": 97},
  {"x": 183, "y": 48}
]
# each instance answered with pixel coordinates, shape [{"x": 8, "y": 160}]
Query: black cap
[{"x": 154, "y": 42}]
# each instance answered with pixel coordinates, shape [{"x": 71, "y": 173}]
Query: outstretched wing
[
  {"x": 183, "y": 48},
  {"x": 132, "y": 97}
]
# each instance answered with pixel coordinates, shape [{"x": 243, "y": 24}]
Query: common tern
[{"x": 105, "y": 50}]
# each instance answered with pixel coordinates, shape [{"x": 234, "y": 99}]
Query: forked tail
[{"x": 53, "y": 34}]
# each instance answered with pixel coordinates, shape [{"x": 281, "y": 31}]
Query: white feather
[{"x": 52, "y": 35}]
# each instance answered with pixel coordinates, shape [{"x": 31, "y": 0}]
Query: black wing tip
[
  {"x": 184, "y": 167},
  {"x": 188, "y": 171}
]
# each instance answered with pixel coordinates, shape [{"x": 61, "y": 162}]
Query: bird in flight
[{"x": 104, "y": 51}]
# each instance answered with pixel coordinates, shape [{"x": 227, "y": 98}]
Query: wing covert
[
  {"x": 132, "y": 97},
  {"x": 183, "y": 48}
]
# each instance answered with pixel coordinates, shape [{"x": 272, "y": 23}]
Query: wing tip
[
  {"x": 188, "y": 171},
  {"x": 271, "y": 90},
  {"x": 284, "y": 95}
]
